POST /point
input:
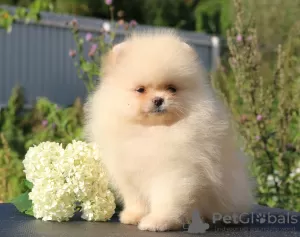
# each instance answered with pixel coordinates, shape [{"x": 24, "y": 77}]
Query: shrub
[
  {"x": 263, "y": 96},
  {"x": 46, "y": 121},
  {"x": 11, "y": 172},
  {"x": 32, "y": 14},
  {"x": 98, "y": 44},
  {"x": 21, "y": 128}
]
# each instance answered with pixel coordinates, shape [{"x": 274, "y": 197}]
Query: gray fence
[{"x": 35, "y": 56}]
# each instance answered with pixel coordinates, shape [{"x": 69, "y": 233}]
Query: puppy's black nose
[{"x": 158, "y": 101}]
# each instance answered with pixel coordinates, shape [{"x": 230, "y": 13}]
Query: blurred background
[{"x": 50, "y": 52}]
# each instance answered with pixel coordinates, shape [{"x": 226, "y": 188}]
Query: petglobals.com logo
[
  {"x": 255, "y": 218},
  {"x": 260, "y": 220}
]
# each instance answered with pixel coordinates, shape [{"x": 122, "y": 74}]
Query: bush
[
  {"x": 88, "y": 63},
  {"x": 22, "y": 128},
  {"x": 263, "y": 96},
  {"x": 11, "y": 172},
  {"x": 46, "y": 121}
]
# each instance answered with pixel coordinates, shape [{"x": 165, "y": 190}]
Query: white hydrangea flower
[
  {"x": 82, "y": 164},
  {"x": 53, "y": 201},
  {"x": 63, "y": 177},
  {"x": 99, "y": 208},
  {"x": 39, "y": 161}
]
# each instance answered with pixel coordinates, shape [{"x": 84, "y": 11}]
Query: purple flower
[
  {"x": 249, "y": 38},
  {"x": 44, "y": 123},
  {"x": 72, "y": 53},
  {"x": 53, "y": 125},
  {"x": 259, "y": 117},
  {"x": 108, "y": 2},
  {"x": 133, "y": 23},
  {"x": 92, "y": 50},
  {"x": 88, "y": 37},
  {"x": 239, "y": 38},
  {"x": 257, "y": 138}
]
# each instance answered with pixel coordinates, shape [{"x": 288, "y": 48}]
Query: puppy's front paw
[
  {"x": 154, "y": 223},
  {"x": 131, "y": 217}
]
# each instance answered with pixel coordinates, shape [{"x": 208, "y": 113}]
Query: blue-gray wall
[{"x": 35, "y": 56}]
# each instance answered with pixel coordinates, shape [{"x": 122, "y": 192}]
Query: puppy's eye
[
  {"x": 172, "y": 89},
  {"x": 140, "y": 90}
]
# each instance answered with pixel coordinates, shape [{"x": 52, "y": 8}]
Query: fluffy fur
[{"x": 165, "y": 160}]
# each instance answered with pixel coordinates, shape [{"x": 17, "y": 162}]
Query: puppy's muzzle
[{"x": 158, "y": 101}]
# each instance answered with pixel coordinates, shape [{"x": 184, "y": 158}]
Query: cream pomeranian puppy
[{"x": 164, "y": 138}]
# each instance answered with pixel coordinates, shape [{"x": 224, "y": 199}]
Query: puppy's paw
[
  {"x": 131, "y": 217},
  {"x": 155, "y": 223}
]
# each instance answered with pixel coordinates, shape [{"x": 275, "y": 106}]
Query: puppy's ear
[
  {"x": 117, "y": 51},
  {"x": 190, "y": 49},
  {"x": 186, "y": 46},
  {"x": 111, "y": 58}
]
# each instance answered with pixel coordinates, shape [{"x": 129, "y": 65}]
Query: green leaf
[
  {"x": 29, "y": 211},
  {"x": 23, "y": 203},
  {"x": 86, "y": 66},
  {"x": 20, "y": 13},
  {"x": 28, "y": 184},
  {"x": 81, "y": 41}
]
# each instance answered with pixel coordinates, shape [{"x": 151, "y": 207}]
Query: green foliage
[
  {"x": 22, "y": 202},
  {"x": 275, "y": 19},
  {"x": 32, "y": 13},
  {"x": 48, "y": 121},
  {"x": 88, "y": 68},
  {"x": 9, "y": 121},
  {"x": 6, "y": 20},
  {"x": 263, "y": 96},
  {"x": 153, "y": 12},
  {"x": 21, "y": 129},
  {"x": 213, "y": 16},
  {"x": 177, "y": 14},
  {"x": 210, "y": 16},
  {"x": 11, "y": 171},
  {"x": 28, "y": 184}
]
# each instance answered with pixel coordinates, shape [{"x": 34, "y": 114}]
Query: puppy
[{"x": 164, "y": 138}]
